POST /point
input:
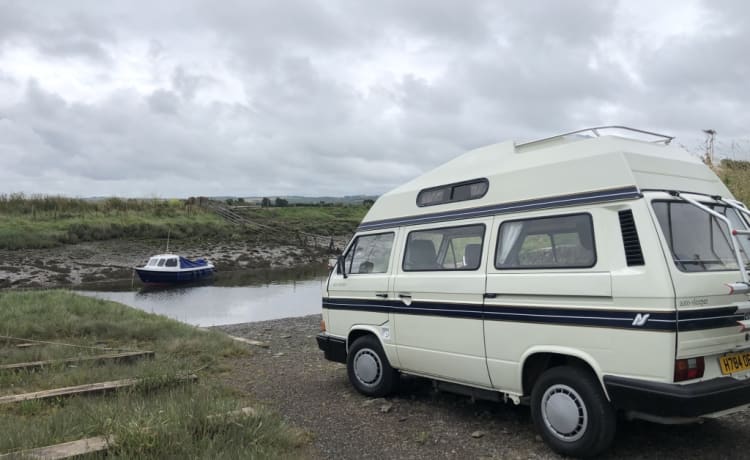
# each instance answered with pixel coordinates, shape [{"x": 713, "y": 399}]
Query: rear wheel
[
  {"x": 368, "y": 368},
  {"x": 572, "y": 413}
]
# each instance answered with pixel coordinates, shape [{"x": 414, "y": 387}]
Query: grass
[
  {"x": 28, "y": 222},
  {"x": 161, "y": 417},
  {"x": 321, "y": 220}
]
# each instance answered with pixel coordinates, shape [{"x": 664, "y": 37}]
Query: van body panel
[
  {"x": 667, "y": 174},
  {"x": 612, "y": 349},
  {"x": 569, "y": 284}
]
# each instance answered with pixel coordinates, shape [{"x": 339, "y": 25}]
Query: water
[{"x": 231, "y": 299}]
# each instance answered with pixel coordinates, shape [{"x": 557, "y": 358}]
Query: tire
[
  {"x": 368, "y": 368},
  {"x": 571, "y": 412}
]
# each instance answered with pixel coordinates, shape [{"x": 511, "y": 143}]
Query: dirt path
[{"x": 292, "y": 377}]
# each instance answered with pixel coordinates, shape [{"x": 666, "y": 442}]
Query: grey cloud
[
  {"x": 299, "y": 124},
  {"x": 163, "y": 101}
]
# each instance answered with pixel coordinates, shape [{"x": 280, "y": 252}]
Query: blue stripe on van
[
  {"x": 615, "y": 194},
  {"x": 709, "y": 318}
]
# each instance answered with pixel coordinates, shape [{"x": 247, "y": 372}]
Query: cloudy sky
[{"x": 177, "y": 98}]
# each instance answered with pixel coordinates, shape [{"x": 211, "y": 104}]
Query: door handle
[
  {"x": 405, "y": 298},
  {"x": 489, "y": 295},
  {"x": 382, "y": 295}
]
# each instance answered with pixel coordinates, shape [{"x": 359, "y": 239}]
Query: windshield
[{"x": 699, "y": 241}]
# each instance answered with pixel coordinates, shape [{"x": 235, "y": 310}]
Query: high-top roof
[{"x": 557, "y": 166}]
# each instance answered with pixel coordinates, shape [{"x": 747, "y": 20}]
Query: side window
[
  {"x": 548, "y": 242},
  {"x": 171, "y": 263},
  {"x": 369, "y": 254},
  {"x": 453, "y": 248},
  {"x": 450, "y": 193},
  {"x": 161, "y": 262}
]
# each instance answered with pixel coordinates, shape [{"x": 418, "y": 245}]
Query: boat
[{"x": 173, "y": 269}]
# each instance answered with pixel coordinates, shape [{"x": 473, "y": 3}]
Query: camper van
[{"x": 590, "y": 274}]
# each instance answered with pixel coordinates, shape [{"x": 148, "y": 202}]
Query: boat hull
[{"x": 173, "y": 277}]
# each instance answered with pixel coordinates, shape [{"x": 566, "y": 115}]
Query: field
[
  {"x": 163, "y": 416},
  {"x": 30, "y": 222}
]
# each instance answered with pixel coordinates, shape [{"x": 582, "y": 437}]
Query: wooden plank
[
  {"x": 256, "y": 343},
  {"x": 99, "y": 359},
  {"x": 89, "y": 445},
  {"x": 29, "y": 345},
  {"x": 249, "y": 341},
  {"x": 64, "y": 450},
  {"x": 99, "y": 387}
]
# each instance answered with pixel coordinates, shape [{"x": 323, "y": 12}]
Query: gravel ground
[{"x": 313, "y": 394}]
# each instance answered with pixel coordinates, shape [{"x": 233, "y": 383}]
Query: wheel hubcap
[
  {"x": 564, "y": 413},
  {"x": 367, "y": 367}
]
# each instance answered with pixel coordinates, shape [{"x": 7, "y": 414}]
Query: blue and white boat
[{"x": 172, "y": 269}]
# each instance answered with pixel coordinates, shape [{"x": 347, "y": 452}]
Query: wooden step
[
  {"x": 99, "y": 387},
  {"x": 99, "y": 359}
]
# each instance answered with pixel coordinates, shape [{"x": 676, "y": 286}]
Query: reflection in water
[{"x": 220, "y": 303}]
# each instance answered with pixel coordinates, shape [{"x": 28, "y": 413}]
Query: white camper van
[{"x": 585, "y": 274}]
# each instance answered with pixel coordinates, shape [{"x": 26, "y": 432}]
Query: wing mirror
[{"x": 341, "y": 266}]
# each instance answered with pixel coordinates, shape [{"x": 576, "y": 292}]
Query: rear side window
[
  {"x": 547, "y": 242},
  {"x": 698, "y": 241},
  {"x": 369, "y": 254},
  {"x": 171, "y": 263},
  {"x": 452, "y": 248}
]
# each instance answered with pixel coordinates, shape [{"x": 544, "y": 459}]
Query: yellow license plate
[{"x": 734, "y": 362}]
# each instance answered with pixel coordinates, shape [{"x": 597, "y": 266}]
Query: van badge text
[{"x": 640, "y": 319}]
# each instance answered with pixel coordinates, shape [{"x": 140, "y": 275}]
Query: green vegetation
[
  {"x": 320, "y": 220},
  {"x": 162, "y": 417},
  {"x": 47, "y": 221},
  {"x": 736, "y": 175}
]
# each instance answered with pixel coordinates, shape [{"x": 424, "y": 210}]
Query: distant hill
[{"x": 298, "y": 199}]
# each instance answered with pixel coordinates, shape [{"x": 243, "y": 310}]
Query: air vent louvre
[{"x": 633, "y": 253}]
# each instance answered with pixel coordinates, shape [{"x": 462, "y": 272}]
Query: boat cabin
[{"x": 163, "y": 260}]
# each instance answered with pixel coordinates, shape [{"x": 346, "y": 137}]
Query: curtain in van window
[{"x": 511, "y": 232}]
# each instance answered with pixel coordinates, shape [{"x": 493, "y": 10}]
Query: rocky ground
[
  {"x": 292, "y": 377},
  {"x": 107, "y": 261}
]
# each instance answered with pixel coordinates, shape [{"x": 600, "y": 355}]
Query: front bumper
[
  {"x": 673, "y": 400},
  {"x": 334, "y": 348}
]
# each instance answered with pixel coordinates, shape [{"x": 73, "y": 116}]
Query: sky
[{"x": 177, "y": 98}]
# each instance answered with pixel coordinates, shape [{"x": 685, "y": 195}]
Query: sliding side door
[{"x": 438, "y": 293}]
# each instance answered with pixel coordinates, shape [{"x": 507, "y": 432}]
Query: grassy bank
[
  {"x": 161, "y": 417},
  {"x": 48, "y": 221}
]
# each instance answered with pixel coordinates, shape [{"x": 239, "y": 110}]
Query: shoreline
[{"x": 112, "y": 261}]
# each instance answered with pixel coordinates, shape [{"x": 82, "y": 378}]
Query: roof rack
[{"x": 661, "y": 138}]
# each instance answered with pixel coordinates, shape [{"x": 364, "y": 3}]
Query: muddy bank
[
  {"x": 417, "y": 422},
  {"x": 104, "y": 261}
]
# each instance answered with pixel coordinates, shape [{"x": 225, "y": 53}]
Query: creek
[{"x": 230, "y": 298}]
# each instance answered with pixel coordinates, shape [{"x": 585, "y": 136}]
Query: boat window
[
  {"x": 171, "y": 263},
  {"x": 546, "y": 242},
  {"x": 152, "y": 262},
  {"x": 161, "y": 262},
  {"x": 452, "y": 248},
  {"x": 450, "y": 193},
  {"x": 699, "y": 242},
  {"x": 369, "y": 254}
]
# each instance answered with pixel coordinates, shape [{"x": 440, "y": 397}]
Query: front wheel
[
  {"x": 572, "y": 413},
  {"x": 368, "y": 368}
]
